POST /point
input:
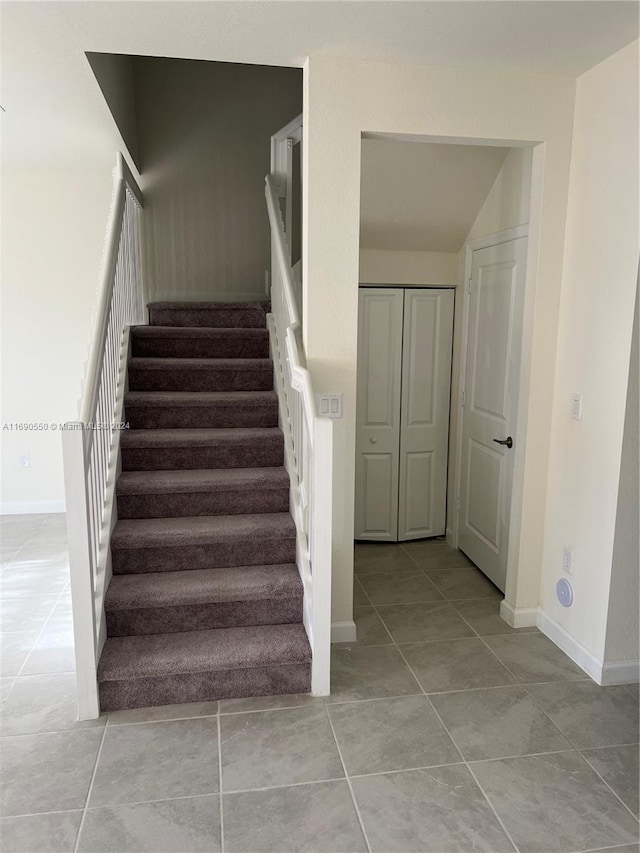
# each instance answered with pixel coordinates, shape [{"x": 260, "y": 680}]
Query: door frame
[{"x": 515, "y": 513}]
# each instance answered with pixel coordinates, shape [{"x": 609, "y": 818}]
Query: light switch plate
[
  {"x": 329, "y": 405},
  {"x": 576, "y": 407}
]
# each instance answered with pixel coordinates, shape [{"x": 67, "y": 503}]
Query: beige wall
[
  {"x": 507, "y": 205},
  {"x": 594, "y": 344},
  {"x": 509, "y": 199},
  {"x": 204, "y": 131},
  {"x": 345, "y": 98},
  {"x": 56, "y": 193},
  {"x": 382, "y": 266}
]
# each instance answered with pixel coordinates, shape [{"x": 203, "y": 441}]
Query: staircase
[{"x": 205, "y": 601}]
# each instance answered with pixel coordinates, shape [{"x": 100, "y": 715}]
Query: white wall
[
  {"x": 345, "y": 98},
  {"x": 204, "y": 132},
  {"x": 594, "y": 343},
  {"x": 623, "y": 634},
  {"x": 382, "y": 266}
]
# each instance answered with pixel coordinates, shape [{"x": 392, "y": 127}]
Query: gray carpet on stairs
[{"x": 205, "y": 601}]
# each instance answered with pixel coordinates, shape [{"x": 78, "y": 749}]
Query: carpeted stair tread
[
  {"x": 162, "y": 655},
  {"x": 209, "y": 306},
  {"x": 199, "y": 342},
  {"x": 184, "y": 449},
  {"x": 202, "y": 399},
  {"x": 224, "y": 479},
  {"x": 139, "y": 438},
  {"x": 203, "y": 586},
  {"x": 161, "y": 363},
  {"x": 200, "y": 530},
  {"x": 200, "y": 374},
  {"x": 240, "y": 315}
]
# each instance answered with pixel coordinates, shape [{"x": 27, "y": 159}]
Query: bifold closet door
[
  {"x": 402, "y": 423},
  {"x": 424, "y": 420},
  {"x": 378, "y": 413}
]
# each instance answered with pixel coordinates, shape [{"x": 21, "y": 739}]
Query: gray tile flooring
[{"x": 446, "y": 730}]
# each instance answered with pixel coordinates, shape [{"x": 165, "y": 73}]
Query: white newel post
[
  {"x": 74, "y": 439},
  {"x": 320, "y": 546}
]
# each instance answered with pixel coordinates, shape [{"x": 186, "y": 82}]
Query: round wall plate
[{"x": 564, "y": 591}]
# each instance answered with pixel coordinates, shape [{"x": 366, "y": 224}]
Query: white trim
[
  {"x": 615, "y": 672},
  {"x": 343, "y": 632},
  {"x": 519, "y": 617},
  {"x": 30, "y": 507},
  {"x": 570, "y": 646},
  {"x": 621, "y": 672}
]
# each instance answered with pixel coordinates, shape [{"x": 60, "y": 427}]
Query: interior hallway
[{"x": 446, "y": 731}]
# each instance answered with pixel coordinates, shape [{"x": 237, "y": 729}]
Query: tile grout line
[
  {"x": 576, "y": 748},
  {"x": 348, "y": 781},
  {"x": 220, "y": 806},
  {"x": 466, "y": 764},
  {"x": 37, "y": 640},
  {"x": 90, "y": 789}
]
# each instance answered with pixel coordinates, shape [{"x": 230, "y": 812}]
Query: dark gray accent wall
[{"x": 204, "y": 132}]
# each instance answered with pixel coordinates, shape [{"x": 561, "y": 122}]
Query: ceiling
[
  {"x": 423, "y": 197},
  {"x": 46, "y": 80},
  {"x": 537, "y": 36}
]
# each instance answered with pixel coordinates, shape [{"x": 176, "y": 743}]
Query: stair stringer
[{"x": 297, "y": 504}]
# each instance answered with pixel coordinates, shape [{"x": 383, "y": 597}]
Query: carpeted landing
[{"x": 205, "y": 601}]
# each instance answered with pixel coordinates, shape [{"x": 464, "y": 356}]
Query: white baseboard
[
  {"x": 519, "y": 617},
  {"x": 615, "y": 672},
  {"x": 621, "y": 672},
  {"x": 570, "y": 646},
  {"x": 30, "y": 507},
  {"x": 343, "y": 632}
]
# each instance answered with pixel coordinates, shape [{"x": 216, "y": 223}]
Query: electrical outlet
[
  {"x": 567, "y": 561},
  {"x": 24, "y": 460}
]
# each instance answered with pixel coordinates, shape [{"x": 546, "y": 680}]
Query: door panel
[
  {"x": 378, "y": 413},
  {"x": 424, "y": 427},
  {"x": 491, "y": 400}
]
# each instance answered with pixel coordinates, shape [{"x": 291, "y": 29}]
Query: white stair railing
[
  {"x": 91, "y": 444},
  {"x": 308, "y": 450}
]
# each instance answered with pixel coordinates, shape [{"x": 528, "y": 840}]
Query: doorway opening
[{"x": 441, "y": 217}]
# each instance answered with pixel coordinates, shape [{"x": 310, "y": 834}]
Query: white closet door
[
  {"x": 425, "y": 399},
  {"x": 378, "y": 413},
  {"x": 491, "y": 402}
]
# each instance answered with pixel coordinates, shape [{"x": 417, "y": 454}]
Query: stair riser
[
  {"x": 201, "y": 417},
  {"x": 202, "y": 617},
  {"x": 199, "y": 348},
  {"x": 211, "y": 556},
  {"x": 205, "y": 687},
  {"x": 217, "y": 318},
  {"x": 265, "y": 455},
  {"x": 208, "y": 379},
  {"x": 203, "y": 503}
]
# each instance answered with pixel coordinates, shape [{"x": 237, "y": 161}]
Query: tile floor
[{"x": 446, "y": 731}]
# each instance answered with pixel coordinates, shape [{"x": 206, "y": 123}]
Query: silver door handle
[{"x": 508, "y": 441}]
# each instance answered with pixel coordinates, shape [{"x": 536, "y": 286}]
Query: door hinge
[
  {"x": 469, "y": 285},
  {"x": 457, "y": 504},
  {"x": 464, "y": 394}
]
